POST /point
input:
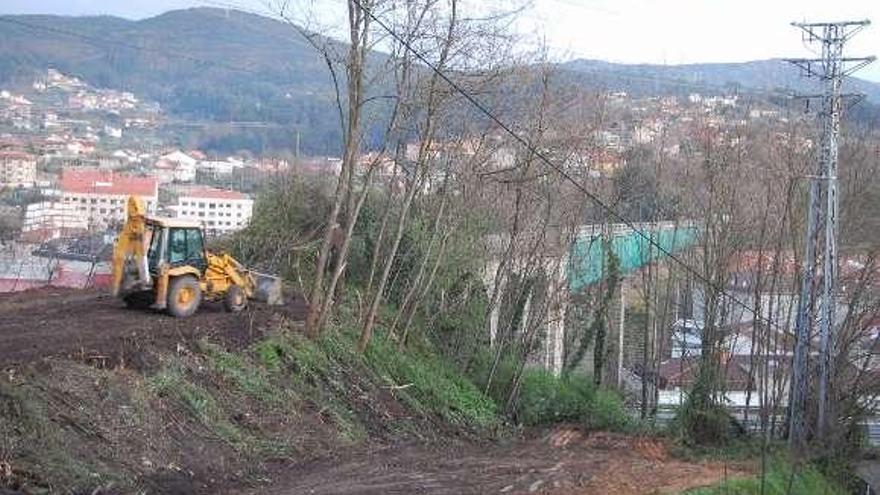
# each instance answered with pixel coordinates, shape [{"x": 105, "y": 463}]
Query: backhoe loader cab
[
  {"x": 175, "y": 243},
  {"x": 163, "y": 263},
  {"x": 176, "y": 261}
]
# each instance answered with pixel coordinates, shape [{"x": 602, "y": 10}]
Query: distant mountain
[
  {"x": 763, "y": 76},
  {"x": 201, "y": 63},
  {"x": 226, "y": 65}
]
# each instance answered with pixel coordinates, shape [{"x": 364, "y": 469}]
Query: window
[
  {"x": 212, "y": 205},
  {"x": 201, "y": 214},
  {"x": 195, "y": 248},
  {"x": 185, "y": 246},
  {"x": 154, "y": 239},
  {"x": 177, "y": 246}
]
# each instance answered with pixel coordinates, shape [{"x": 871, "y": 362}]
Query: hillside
[
  {"x": 243, "y": 404},
  {"x": 198, "y": 64},
  {"x": 225, "y": 66},
  {"x": 762, "y": 75}
]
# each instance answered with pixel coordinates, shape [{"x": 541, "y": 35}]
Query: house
[
  {"x": 219, "y": 210},
  {"x": 176, "y": 166},
  {"x": 100, "y": 196},
  {"x": 17, "y": 169},
  {"x": 163, "y": 171},
  {"x": 676, "y": 376},
  {"x": 215, "y": 169},
  {"x": 50, "y": 220}
]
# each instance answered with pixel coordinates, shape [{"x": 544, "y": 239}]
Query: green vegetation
[
  {"x": 171, "y": 383},
  {"x": 29, "y": 436},
  {"x": 426, "y": 383},
  {"x": 545, "y": 398},
  {"x": 782, "y": 478}
]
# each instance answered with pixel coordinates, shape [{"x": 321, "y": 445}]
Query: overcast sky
[{"x": 653, "y": 31}]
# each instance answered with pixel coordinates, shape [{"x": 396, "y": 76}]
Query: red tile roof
[
  {"x": 89, "y": 181},
  {"x": 211, "y": 193},
  {"x": 15, "y": 155}
]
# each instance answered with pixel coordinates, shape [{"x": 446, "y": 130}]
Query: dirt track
[
  {"x": 563, "y": 462},
  {"x": 92, "y": 325}
]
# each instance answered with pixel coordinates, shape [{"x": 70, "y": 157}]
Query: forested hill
[
  {"x": 226, "y": 65},
  {"x": 202, "y": 63},
  {"x": 762, "y": 75}
]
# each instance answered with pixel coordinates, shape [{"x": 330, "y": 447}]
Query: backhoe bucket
[{"x": 268, "y": 289}]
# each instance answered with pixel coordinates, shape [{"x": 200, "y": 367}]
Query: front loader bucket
[{"x": 267, "y": 289}]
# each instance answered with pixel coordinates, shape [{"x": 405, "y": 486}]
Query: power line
[{"x": 538, "y": 153}]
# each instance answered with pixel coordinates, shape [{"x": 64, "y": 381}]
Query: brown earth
[
  {"x": 91, "y": 325},
  {"x": 565, "y": 461}
]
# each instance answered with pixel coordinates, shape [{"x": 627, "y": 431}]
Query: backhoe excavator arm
[
  {"x": 129, "y": 245},
  {"x": 223, "y": 270}
]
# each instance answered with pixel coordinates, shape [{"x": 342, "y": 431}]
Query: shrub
[
  {"x": 782, "y": 477},
  {"x": 607, "y": 412},
  {"x": 546, "y": 399}
]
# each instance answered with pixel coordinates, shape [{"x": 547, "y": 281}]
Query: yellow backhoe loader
[{"x": 162, "y": 263}]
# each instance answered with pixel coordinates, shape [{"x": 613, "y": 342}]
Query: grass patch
[
  {"x": 432, "y": 385},
  {"x": 782, "y": 478},
  {"x": 30, "y": 438},
  {"x": 243, "y": 375},
  {"x": 172, "y": 383}
]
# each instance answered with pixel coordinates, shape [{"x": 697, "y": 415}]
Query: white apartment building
[
  {"x": 17, "y": 169},
  {"x": 52, "y": 219},
  {"x": 100, "y": 196},
  {"x": 219, "y": 210}
]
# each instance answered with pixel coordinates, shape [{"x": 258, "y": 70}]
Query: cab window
[
  {"x": 185, "y": 247},
  {"x": 195, "y": 248},
  {"x": 155, "y": 243},
  {"x": 177, "y": 247}
]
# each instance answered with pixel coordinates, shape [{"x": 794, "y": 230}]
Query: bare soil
[
  {"x": 565, "y": 461},
  {"x": 93, "y": 326}
]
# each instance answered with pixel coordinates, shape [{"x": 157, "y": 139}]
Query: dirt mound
[{"x": 92, "y": 326}]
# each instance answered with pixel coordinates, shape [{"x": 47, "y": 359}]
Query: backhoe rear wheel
[
  {"x": 234, "y": 301},
  {"x": 184, "y": 296}
]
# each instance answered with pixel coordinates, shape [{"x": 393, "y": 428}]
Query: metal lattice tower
[{"x": 831, "y": 68}]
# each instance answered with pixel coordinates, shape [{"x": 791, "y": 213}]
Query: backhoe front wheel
[
  {"x": 184, "y": 296},
  {"x": 234, "y": 300}
]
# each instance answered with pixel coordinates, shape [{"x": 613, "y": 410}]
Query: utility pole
[{"x": 831, "y": 68}]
